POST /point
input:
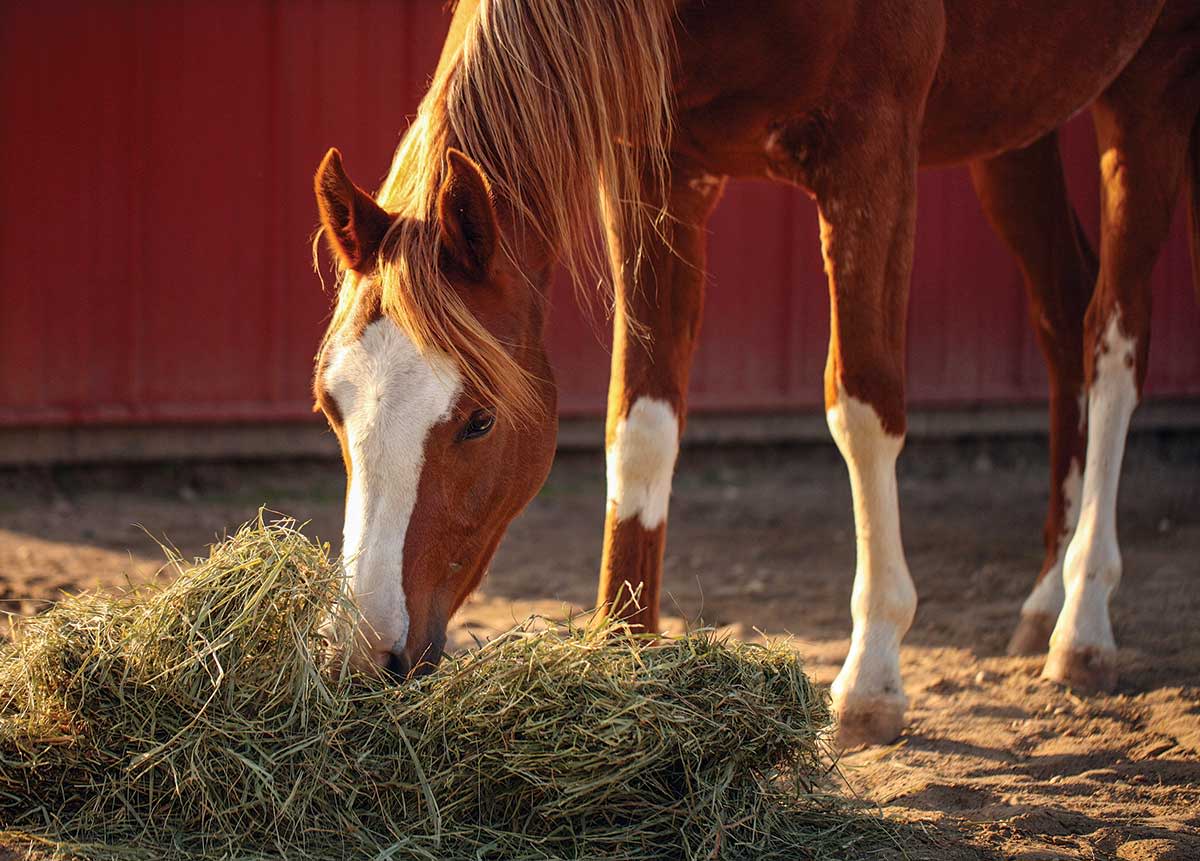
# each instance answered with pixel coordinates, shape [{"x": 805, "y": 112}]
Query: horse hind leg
[
  {"x": 1144, "y": 124},
  {"x": 1024, "y": 195}
]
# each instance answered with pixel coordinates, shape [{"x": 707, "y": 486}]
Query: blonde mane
[{"x": 566, "y": 106}]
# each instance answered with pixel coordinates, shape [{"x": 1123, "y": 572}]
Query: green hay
[{"x": 206, "y": 719}]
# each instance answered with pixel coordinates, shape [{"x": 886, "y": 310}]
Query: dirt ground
[{"x": 999, "y": 763}]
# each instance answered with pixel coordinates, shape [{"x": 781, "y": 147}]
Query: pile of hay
[{"x": 205, "y": 719}]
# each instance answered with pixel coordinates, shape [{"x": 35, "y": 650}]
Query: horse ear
[
  {"x": 354, "y": 223},
  {"x": 470, "y": 231}
]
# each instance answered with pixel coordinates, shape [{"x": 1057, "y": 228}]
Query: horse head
[{"x": 435, "y": 323}]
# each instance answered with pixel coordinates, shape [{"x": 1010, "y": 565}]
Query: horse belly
[{"x": 1011, "y": 72}]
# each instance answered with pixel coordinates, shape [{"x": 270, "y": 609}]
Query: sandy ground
[{"x": 997, "y": 762}]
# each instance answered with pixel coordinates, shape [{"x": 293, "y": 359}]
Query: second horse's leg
[
  {"x": 1024, "y": 195},
  {"x": 1144, "y": 123}
]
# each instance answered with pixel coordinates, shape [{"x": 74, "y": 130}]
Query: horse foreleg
[
  {"x": 1024, "y": 195},
  {"x": 1143, "y": 124},
  {"x": 655, "y": 327},
  {"x": 868, "y": 214}
]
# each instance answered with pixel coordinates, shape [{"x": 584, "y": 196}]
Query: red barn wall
[{"x": 154, "y": 236}]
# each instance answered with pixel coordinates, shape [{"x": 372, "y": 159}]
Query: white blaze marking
[
  {"x": 1047, "y": 596},
  {"x": 389, "y": 396},
  {"x": 641, "y": 460},
  {"x": 1092, "y": 567},
  {"x": 884, "y": 600}
]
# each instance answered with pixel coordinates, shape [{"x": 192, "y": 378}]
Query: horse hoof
[
  {"x": 1090, "y": 670},
  {"x": 869, "y": 720},
  {"x": 1032, "y": 636}
]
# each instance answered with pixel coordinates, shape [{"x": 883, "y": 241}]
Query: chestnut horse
[{"x": 546, "y": 118}]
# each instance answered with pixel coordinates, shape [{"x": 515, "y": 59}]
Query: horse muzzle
[{"x": 402, "y": 664}]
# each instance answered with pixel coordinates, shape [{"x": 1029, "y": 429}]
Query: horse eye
[{"x": 480, "y": 423}]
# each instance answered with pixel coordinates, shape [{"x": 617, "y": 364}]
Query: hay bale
[{"x": 205, "y": 718}]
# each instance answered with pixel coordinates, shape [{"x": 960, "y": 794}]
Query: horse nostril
[{"x": 398, "y": 664}]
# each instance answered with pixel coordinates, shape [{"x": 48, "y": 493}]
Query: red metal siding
[{"x": 154, "y": 255}]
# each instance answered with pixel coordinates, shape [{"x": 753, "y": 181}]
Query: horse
[{"x": 544, "y": 120}]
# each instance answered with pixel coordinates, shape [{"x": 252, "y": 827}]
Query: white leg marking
[
  {"x": 884, "y": 600},
  {"x": 1092, "y": 567},
  {"x": 390, "y": 396},
  {"x": 1046, "y": 599},
  {"x": 641, "y": 460}
]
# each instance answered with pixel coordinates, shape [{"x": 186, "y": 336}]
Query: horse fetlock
[
  {"x": 872, "y": 664},
  {"x": 1092, "y": 564},
  {"x": 884, "y": 603},
  {"x": 1046, "y": 598},
  {"x": 1084, "y": 621}
]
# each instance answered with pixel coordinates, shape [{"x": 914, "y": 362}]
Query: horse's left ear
[
  {"x": 470, "y": 231},
  {"x": 355, "y": 225}
]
